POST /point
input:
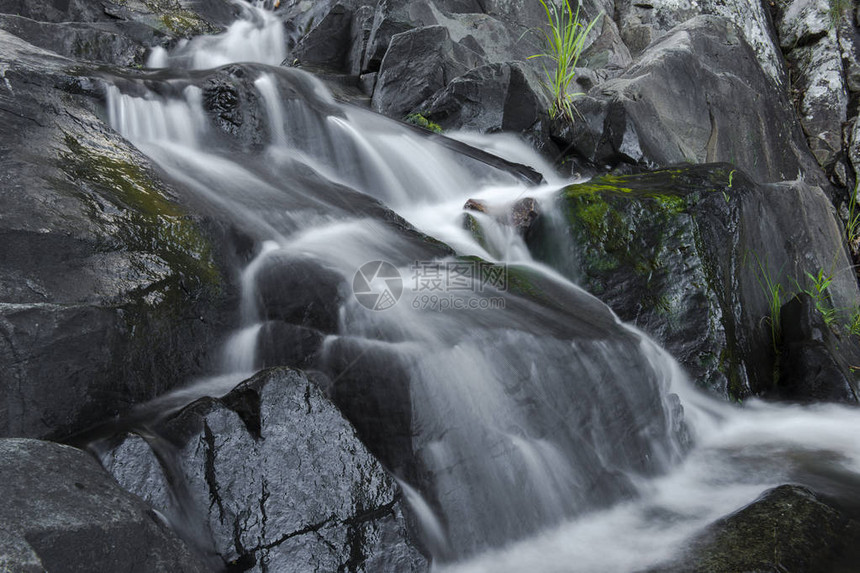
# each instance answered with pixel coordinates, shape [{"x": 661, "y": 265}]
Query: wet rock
[
  {"x": 418, "y": 63},
  {"x": 476, "y": 205},
  {"x": 521, "y": 215},
  {"x": 278, "y": 479},
  {"x": 696, "y": 95},
  {"x": 524, "y": 213},
  {"x": 123, "y": 45},
  {"x": 683, "y": 254},
  {"x": 301, "y": 292},
  {"x": 283, "y": 344},
  {"x": 362, "y": 24},
  {"x": 62, "y": 512},
  {"x": 112, "y": 32},
  {"x": 329, "y": 42},
  {"x": 388, "y": 21},
  {"x": 109, "y": 290},
  {"x": 491, "y": 98},
  {"x": 370, "y": 385},
  {"x": 789, "y": 528},
  {"x": 815, "y": 363}
]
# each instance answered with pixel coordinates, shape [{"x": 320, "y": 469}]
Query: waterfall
[{"x": 539, "y": 431}]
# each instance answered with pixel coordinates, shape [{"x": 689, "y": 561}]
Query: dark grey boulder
[
  {"x": 644, "y": 23},
  {"x": 815, "y": 363},
  {"x": 788, "y": 528},
  {"x": 117, "y": 33},
  {"x": 62, "y": 512},
  {"x": 300, "y": 291},
  {"x": 419, "y": 63},
  {"x": 684, "y": 253},
  {"x": 109, "y": 291},
  {"x": 697, "y": 95},
  {"x": 276, "y": 479},
  {"x": 284, "y": 344},
  {"x": 329, "y": 42},
  {"x": 491, "y": 98},
  {"x": 124, "y": 45}
]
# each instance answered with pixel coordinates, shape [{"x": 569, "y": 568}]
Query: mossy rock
[
  {"x": 152, "y": 222},
  {"x": 789, "y": 528},
  {"x": 675, "y": 252},
  {"x": 633, "y": 241}
]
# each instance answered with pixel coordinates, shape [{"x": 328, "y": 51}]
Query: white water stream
[{"x": 549, "y": 452}]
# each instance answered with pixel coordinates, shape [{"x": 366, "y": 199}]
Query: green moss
[
  {"x": 471, "y": 224},
  {"x": 184, "y": 23},
  {"x": 672, "y": 204},
  {"x": 421, "y": 121},
  {"x": 150, "y": 222}
]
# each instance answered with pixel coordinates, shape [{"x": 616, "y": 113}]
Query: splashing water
[{"x": 551, "y": 433}]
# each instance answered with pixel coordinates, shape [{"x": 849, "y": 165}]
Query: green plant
[
  {"x": 773, "y": 292},
  {"x": 731, "y": 177},
  {"x": 852, "y": 226},
  {"x": 421, "y": 121},
  {"x": 821, "y": 297},
  {"x": 563, "y": 42},
  {"x": 837, "y": 8},
  {"x": 853, "y": 325}
]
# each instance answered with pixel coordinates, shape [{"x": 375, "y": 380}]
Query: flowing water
[{"x": 530, "y": 430}]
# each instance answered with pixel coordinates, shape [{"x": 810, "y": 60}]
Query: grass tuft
[
  {"x": 563, "y": 41},
  {"x": 773, "y": 292}
]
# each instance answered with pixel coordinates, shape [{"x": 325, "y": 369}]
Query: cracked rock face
[{"x": 278, "y": 478}]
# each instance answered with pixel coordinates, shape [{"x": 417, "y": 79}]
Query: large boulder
[
  {"x": 686, "y": 254},
  {"x": 642, "y": 24},
  {"x": 272, "y": 477},
  {"x": 62, "y": 512},
  {"x": 815, "y": 359},
  {"x": 788, "y": 528},
  {"x": 109, "y": 290},
  {"x": 419, "y": 63},
  {"x": 494, "y": 97},
  {"x": 697, "y": 95}
]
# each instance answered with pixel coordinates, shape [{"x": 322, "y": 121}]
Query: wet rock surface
[
  {"x": 276, "y": 477},
  {"x": 816, "y": 360},
  {"x": 788, "y": 528},
  {"x": 102, "y": 268},
  {"x": 62, "y": 512},
  {"x": 684, "y": 253}
]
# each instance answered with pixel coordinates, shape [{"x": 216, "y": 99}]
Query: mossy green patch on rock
[
  {"x": 184, "y": 23},
  {"x": 636, "y": 244},
  {"x": 421, "y": 121},
  {"x": 788, "y": 528},
  {"x": 138, "y": 212}
]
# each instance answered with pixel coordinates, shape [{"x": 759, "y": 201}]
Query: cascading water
[{"x": 509, "y": 417}]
